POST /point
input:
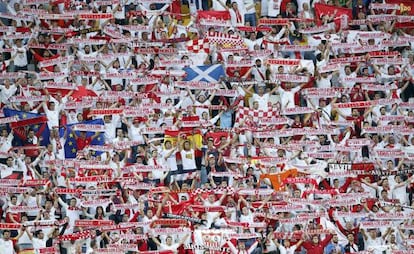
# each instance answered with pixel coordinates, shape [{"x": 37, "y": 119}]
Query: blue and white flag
[{"x": 206, "y": 73}]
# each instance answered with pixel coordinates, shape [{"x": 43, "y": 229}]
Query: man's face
[
  {"x": 212, "y": 160},
  {"x": 6, "y": 235},
  {"x": 9, "y": 162},
  {"x": 286, "y": 243},
  {"x": 355, "y": 113},
  {"x": 351, "y": 238},
  {"x": 202, "y": 98},
  {"x": 48, "y": 204},
  {"x": 315, "y": 239},
  {"x": 335, "y": 239}
]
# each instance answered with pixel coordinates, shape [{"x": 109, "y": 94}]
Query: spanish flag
[{"x": 193, "y": 135}]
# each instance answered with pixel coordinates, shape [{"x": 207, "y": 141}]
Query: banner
[
  {"x": 75, "y": 236},
  {"x": 195, "y": 136},
  {"x": 273, "y": 22},
  {"x": 55, "y": 61},
  {"x": 359, "y": 104},
  {"x": 93, "y": 223},
  {"x": 225, "y": 39},
  {"x": 89, "y": 127},
  {"x": 291, "y": 78},
  {"x": 376, "y": 224},
  {"x": 214, "y": 18},
  {"x": 331, "y": 10},
  {"x": 405, "y": 6},
  {"x": 255, "y": 114},
  {"x": 209, "y": 239},
  {"x": 71, "y": 144},
  {"x": 171, "y": 231},
  {"x": 9, "y": 119},
  {"x": 37, "y": 122}
]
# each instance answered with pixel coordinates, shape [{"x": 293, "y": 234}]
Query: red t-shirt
[{"x": 83, "y": 142}]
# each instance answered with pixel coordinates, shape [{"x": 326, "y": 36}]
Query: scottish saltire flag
[
  {"x": 25, "y": 122},
  {"x": 70, "y": 144},
  {"x": 206, "y": 73}
]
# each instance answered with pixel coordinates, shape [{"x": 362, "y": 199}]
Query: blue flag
[
  {"x": 70, "y": 144},
  {"x": 27, "y": 121},
  {"x": 207, "y": 73}
]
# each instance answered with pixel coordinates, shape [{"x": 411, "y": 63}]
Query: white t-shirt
[
  {"x": 287, "y": 98},
  {"x": 156, "y": 174},
  {"x": 249, "y": 6},
  {"x": 135, "y": 134},
  {"x": 284, "y": 250},
  {"x": 372, "y": 243},
  {"x": 300, "y": 4},
  {"x": 39, "y": 243},
  {"x": 172, "y": 247},
  {"x": 171, "y": 161},
  {"x": 21, "y": 57},
  {"x": 24, "y": 239},
  {"x": 6, "y": 247},
  {"x": 400, "y": 194},
  {"x": 5, "y": 144},
  {"x": 219, "y": 5},
  {"x": 188, "y": 159},
  {"x": 262, "y": 100},
  {"x": 52, "y": 117},
  {"x": 110, "y": 129},
  {"x": 200, "y": 110},
  {"x": 324, "y": 82},
  {"x": 259, "y": 73},
  {"x": 6, "y": 93}
]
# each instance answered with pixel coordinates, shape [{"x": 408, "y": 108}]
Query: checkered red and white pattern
[
  {"x": 256, "y": 114},
  {"x": 219, "y": 190},
  {"x": 222, "y": 38},
  {"x": 196, "y": 46}
]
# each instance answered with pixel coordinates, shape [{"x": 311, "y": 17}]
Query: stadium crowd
[{"x": 195, "y": 126}]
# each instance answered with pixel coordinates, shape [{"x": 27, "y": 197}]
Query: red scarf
[{"x": 238, "y": 16}]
